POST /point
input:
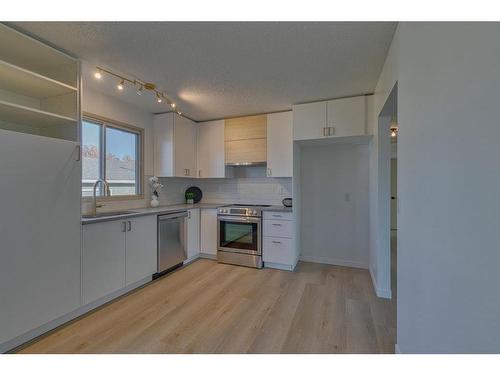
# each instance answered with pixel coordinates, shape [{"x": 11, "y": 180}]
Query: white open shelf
[
  {"x": 21, "y": 50},
  {"x": 28, "y": 83},
  {"x": 19, "y": 114},
  {"x": 39, "y": 87}
]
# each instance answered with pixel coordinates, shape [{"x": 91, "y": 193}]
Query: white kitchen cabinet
[
  {"x": 309, "y": 121},
  {"x": 346, "y": 117},
  {"x": 280, "y": 144},
  {"x": 40, "y": 185},
  {"x": 174, "y": 146},
  {"x": 330, "y": 119},
  {"x": 208, "y": 232},
  {"x": 193, "y": 233},
  {"x": 210, "y": 155},
  {"x": 103, "y": 259},
  {"x": 116, "y": 254},
  {"x": 278, "y": 243},
  {"x": 141, "y": 248}
]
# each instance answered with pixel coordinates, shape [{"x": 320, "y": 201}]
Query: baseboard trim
[
  {"x": 279, "y": 266},
  {"x": 75, "y": 314},
  {"x": 381, "y": 293},
  {"x": 332, "y": 261},
  {"x": 208, "y": 256}
]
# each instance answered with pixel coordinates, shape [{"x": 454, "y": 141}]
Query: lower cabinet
[
  {"x": 116, "y": 254},
  {"x": 193, "y": 233},
  {"x": 208, "y": 231},
  {"x": 141, "y": 248},
  {"x": 278, "y": 244}
]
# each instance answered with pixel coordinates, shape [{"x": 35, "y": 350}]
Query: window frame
[{"x": 105, "y": 122}]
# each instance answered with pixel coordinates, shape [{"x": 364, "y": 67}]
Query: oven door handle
[{"x": 239, "y": 219}]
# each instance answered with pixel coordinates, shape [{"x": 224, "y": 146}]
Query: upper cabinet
[
  {"x": 175, "y": 146},
  {"x": 245, "y": 140},
  {"x": 210, "y": 155},
  {"x": 39, "y": 87},
  {"x": 279, "y": 144},
  {"x": 333, "y": 118}
]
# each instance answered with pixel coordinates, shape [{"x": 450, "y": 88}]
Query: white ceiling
[{"x": 216, "y": 70}]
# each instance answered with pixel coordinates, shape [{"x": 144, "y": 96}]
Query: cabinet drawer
[
  {"x": 278, "y": 250},
  {"x": 278, "y": 228},
  {"x": 278, "y": 215}
]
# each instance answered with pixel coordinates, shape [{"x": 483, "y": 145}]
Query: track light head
[
  {"x": 120, "y": 85},
  {"x": 98, "y": 74}
]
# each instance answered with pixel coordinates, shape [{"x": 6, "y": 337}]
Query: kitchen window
[{"x": 113, "y": 152}]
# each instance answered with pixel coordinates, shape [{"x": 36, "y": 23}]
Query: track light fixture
[{"x": 142, "y": 86}]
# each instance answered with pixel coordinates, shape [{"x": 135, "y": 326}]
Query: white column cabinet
[
  {"x": 174, "y": 146},
  {"x": 40, "y": 185},
  {"x": 208, "y": 232},
  {"x": 211, "y": 155},
  {"x": 193, "y": 233},
  {"x": 141, "y": 248},
  {"x": 279, "y": 144},
  {"x": 116, "y": 254},
  {"x": 330, "y": 119}
]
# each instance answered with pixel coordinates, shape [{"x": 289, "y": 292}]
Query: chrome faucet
[{"x": 106, "y": 191}]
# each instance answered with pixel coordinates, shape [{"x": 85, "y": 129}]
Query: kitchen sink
[{"x": 106, "y": 214}]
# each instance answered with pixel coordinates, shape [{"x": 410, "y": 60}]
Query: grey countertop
[{"x": 167, "y": 209}]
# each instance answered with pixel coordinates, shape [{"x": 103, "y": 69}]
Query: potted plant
[
  {"x": 155, "y": 188},
  {"x": 190, "y": 198}
]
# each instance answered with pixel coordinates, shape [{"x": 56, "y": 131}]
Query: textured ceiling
[{"x": 216, "y": 70}]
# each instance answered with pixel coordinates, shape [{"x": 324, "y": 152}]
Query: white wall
[
  {"x": 448, "y": 184},
  {"x": 334, "y": 200}
]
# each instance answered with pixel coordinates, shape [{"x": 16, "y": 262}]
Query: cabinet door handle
[
  {"x": 331, "y": 131},
  {"x": 276, "y": 215},
  {"x": 124, "y": 227},
  {"x": 199, "y": 172},
  {"x": 277, "y": 225},
  {"x": 324, "y": 132},
  {"x": 129, "y": 225},
  {"x": 277, "y": 242},
  {"x": 78, "y": 153},
  {"x": 189, "y": 214},
  {"x": 269, "y": 172}
]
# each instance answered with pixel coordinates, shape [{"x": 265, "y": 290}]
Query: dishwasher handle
[{"x": 173, "y": 215}]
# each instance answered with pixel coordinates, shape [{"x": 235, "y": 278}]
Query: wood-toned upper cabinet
[
  {"x": 279, "y": 144},
  {"x": 346, "y": 117},
  {"x": 210, "y": 154},
  {"x": 330, "y": 119},
  {"x": 245, "y": 140},
  {"x": 175, "y": 146}
]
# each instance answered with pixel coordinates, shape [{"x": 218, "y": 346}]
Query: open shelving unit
[{"x": 39, "y": 87}]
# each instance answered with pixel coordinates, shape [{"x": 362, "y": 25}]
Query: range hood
[{"x": 245, "y": 141}]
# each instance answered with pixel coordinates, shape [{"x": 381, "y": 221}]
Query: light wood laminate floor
[{"x": 208, "y": 307}]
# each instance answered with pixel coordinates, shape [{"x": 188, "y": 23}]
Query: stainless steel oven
[{"x": 239, "y": 235}]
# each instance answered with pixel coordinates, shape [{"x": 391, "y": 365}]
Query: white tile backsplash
[{"x": 249, "y": 185}]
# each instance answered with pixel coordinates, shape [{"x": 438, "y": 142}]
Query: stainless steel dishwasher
[{"x": 172, "y": 238}]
